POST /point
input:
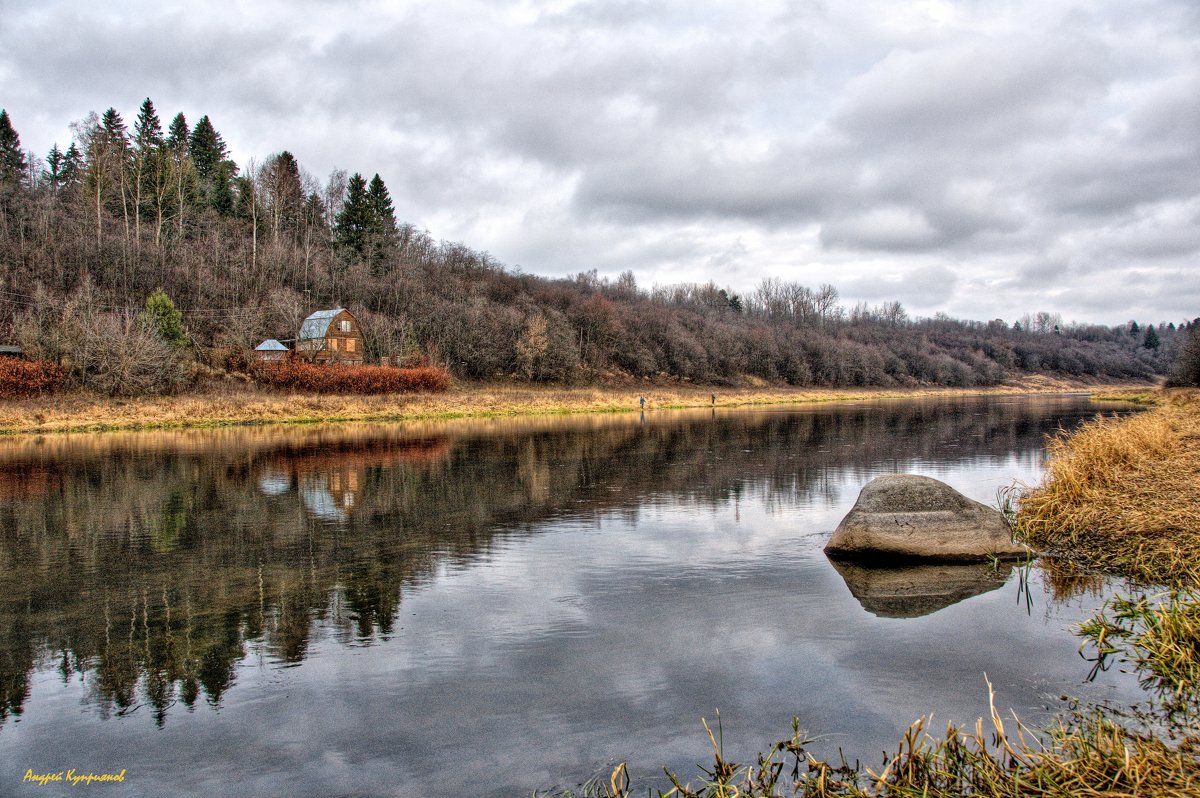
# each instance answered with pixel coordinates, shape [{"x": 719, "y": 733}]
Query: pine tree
[
  {"x": 72, "y": 170},
  {"x": 314, "y": 212},
  {"x": 164, "y": 318},
  {"x": 113, "y": 129},
  {"x": 220, "y": 196},
  {"x": 381, "y": 232},
  {"x": 178, "y": 134},
  {"x": 383, "y": 215},
  {"x": 55, "y": 162},
  {"x": 149, "y": 168},
  {"x": 12, "y": 159},
  {"x": 1151, "y": 340},
  {"x": 147, "y": 130},
  {"x": 207, "y": 149},
  {"x": 353, "y": 221}
]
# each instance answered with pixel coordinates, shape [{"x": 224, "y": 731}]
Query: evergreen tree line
[{"x": 246, "y": 252}]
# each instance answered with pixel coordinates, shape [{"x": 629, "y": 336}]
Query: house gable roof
[
  {"x": 270, "y": 345},
  {"x": 317, "y": 325}
]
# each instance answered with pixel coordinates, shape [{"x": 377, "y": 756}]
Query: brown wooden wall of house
[{"x": 337, "y": 342}]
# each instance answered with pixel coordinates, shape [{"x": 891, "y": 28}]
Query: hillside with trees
[{"x": 142, "y": 257}]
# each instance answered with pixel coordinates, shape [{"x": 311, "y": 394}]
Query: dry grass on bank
[
  {"x": 1089, "y": 757},
  {"x": 1124, "y": 495},
  {"x": 225, "y": 403}
]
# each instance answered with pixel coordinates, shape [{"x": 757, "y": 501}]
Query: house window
[
  {"x": 333, "y": 343},
  {"x": 349, "y": 344},
  {"x": 344, "y": 326}
]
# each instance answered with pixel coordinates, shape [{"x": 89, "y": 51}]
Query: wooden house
[{"x": 331, "y": 336}]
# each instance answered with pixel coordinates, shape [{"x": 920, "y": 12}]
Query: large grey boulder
[{"x": 905, "y": 516}]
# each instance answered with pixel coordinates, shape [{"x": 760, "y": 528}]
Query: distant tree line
[{"x": 244, "y": 252}]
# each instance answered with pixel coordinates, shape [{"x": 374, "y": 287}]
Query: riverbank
[
  {"x": 220, "y": 404},
  {"x": 1123, "y": 496}
]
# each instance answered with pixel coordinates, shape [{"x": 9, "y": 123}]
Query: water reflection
[
  {"x": 911, "y": 591},
  {"x": 155, "y": 570}
]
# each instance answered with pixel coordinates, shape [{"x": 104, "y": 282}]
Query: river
[{"x": 492, "y": 607}]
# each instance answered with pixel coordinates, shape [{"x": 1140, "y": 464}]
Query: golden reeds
[
  {"x": 1123, "y": 495},
  {"x": 1089, "y": 757}
]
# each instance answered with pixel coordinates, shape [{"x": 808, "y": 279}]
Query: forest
[{"x": 145, "y": 259}]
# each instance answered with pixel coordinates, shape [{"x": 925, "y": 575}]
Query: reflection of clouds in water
[
  {"x": 330, "y": 496},
  {"x": 274, "y": 483}
]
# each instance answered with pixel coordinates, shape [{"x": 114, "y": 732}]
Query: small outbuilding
[
  {"x": 11, "y": 350},
  {"x": 270, "y": 351},
  {"x": 331, "y": 336}
]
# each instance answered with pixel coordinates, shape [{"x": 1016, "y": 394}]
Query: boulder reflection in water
[{"x": 910, "y": 591}]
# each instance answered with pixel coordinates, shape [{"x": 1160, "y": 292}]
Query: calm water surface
[{"x": 489, "y": 608}]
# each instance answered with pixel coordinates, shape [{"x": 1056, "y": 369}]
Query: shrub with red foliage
[
  {"x": 297, "y": 375},
  {"x": 23, "y": 378}
]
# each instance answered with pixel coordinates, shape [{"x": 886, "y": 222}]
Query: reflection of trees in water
[{"x": 154, "y": 565}]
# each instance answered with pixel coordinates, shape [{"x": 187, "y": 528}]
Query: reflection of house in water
[
  {"x": 331, "y": 482},
  {"x": 24, "y": 481}
]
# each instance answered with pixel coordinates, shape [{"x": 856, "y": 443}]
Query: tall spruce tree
[
  {"x": 220, "y": 195},
  {"x": 353, "y": 221},
  {"x": 149, "y": 166},
  {"x": 112, "y": 128},
  {"x": 381, "y": 233},
  {"x": 147, "y": 129},
  {"x": 207, "y": 149},
  {"x": 12, "y": 159},
  {"x": 55, "y": 163},
  {"x": 178, "y": 134},
  {"x": 72, "y": 171}
]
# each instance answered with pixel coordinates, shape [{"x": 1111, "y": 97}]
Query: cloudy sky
[{"x": 983, "y": 159}]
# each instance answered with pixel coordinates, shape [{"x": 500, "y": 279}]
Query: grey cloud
[
  {"x": 973, "y": 95},
  {"x": 596, "y": 132},
  {"x": 920, "y": 286},
  {"x": 881, "y": 228}
]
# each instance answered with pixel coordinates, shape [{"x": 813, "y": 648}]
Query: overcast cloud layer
[{"x": 982, "y": 159}]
